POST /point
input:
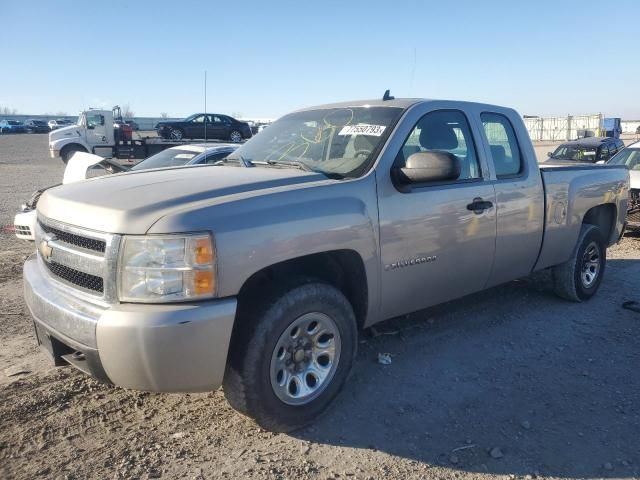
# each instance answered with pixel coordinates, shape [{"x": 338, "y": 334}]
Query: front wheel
[
  {"x": 176, "y": 134},
  {"x": 235, "y": 136},
  {"x": 290, "y": 358},
  {"x": 579, "y": 278}
]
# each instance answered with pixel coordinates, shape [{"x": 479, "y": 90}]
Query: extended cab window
[
  {"x": 505, "y": 151},
  {"x": 445, "y": 131}
]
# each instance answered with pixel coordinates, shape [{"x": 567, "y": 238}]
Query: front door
[
  {"x": 195, "y": 127},
  {"x": 437, "y": 241},
  {"x": 96, "y": 131}
]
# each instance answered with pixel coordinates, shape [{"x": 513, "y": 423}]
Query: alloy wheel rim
[
  {"x": 236, "y": 137},
  {"x": 176, "y": 134},
  {"x": 590, "y": 265},
  {"x": 305, "y": 358}
]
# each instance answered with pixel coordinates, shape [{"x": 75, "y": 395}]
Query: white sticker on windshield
[{"x": 362, "y": 129}]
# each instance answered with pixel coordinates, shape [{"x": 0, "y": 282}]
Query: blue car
[
  {"x": 12, "y": 126},
  {"x": 195, "y": 154}
]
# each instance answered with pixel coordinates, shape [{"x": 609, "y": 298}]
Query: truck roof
[{"x": 398, "y": 103}]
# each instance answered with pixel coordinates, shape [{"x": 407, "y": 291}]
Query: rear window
[{"x": 505, "y": 151}]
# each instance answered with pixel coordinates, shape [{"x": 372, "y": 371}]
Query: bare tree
[
  {"x": 164, "y": 114},
  {"x": 236, "y": 114},
  {"x": 9, "y": 111},
  {"x": 127, "y": 112}
]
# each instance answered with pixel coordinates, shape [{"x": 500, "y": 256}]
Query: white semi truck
[{"x": 103, "y": 133}]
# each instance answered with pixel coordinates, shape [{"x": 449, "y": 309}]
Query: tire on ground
[
  {"x": 247, "y": 382},
  {"x": 567, "y": 279}
]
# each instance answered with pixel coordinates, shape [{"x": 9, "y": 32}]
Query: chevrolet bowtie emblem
[{"x": 44, "y": 248}]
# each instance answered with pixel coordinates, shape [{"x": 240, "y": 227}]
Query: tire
[
  {"x": 176, "y": 134},
  {"x": 68, "y": 151},
  {"x": 579, "y": 278},
  {"x": 258, "y": 380},
  {"x": 235, "y": 136}
]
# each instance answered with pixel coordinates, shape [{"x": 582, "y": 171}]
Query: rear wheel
[
  {"x": 68, "y": 152},
  {"x": 176, "y": 134},
  {"x": 235, "y": 136},
  {"x": 579, "y": 278},
  {"x": 290, "y": 358}
]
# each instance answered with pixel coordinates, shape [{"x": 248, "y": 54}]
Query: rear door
[
  {"x": 435, "y": 246},
  {"x": 519, "y": 195},
  {"x": 219, "y": 128}
]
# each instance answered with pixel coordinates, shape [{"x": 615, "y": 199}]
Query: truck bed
[{"x": 571, "y": 190}]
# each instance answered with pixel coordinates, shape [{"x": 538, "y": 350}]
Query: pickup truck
[{"x": 257, "y": 272}]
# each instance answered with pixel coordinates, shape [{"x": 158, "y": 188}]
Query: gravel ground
[{"x": 508, "y": 383}]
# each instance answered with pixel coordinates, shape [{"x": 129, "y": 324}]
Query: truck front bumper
[{"x": 159, "y": 348}]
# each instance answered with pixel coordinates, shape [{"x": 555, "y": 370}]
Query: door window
[
  {"x": 603, "y": 154},
  {"x": 444, "y": 131},
  {"x": 505, "y": 151},
  {"x": 94, "y": 120},
  {"x": 198, "y": 119},
  {"x": 214, "y": 157}
]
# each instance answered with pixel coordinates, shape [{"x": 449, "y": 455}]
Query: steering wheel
[{"x": 363, "y": 152}]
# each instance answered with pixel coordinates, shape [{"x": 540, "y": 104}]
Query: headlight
[{"x": 166, "y": 268}]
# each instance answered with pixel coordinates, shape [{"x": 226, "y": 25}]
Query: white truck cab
[{"x": 94, "y": 133}]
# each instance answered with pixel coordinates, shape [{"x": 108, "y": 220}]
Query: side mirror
[
  {"x": 549, "y": 154},
  {"x": 428, "y": 167}
]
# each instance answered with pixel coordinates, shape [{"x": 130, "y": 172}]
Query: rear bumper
[{"x": 160, "y": 348}]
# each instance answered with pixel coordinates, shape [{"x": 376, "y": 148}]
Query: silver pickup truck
[{"x": 257, "y": 272}]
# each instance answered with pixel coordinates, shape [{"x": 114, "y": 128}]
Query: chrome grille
[
  {"x": 82, "y": 259},
  {"x": 22, "y": 230},
  {"x": 77, "y": 240},
  {"x": 81, "y": 279}
]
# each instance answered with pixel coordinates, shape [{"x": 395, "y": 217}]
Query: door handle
[{"x": 479, "y": 205}]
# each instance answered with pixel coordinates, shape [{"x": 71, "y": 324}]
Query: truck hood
[
  {"x": 64, "y": 132},
  {"x": 131, "y": 203}
]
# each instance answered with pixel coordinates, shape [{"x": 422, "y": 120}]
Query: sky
[{"x": 266, "y": 58}]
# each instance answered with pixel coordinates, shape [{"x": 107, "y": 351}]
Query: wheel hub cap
[
  {"x": 305, "y": 358},
  {"x": 590, "y": 265}
]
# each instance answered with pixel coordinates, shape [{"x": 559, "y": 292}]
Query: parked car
[
  {"x": 630, "y": 158},
  {"x": 81, "y": 167},
  {"x": 195, "y": 154},
  {"x": 12, "y": 126},
  {"x": 59, "y": 123},
  {"x": 258, "y": 273},
  {"x": 589, "y": 149},
  {"x": 216, "y": 126},
  {"x": 36, "y": 126}
]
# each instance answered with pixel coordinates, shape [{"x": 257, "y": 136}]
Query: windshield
[
  {"x": 574, "y": 152},
  {"x": 630, "y": 157},
  {"x": 38, "y": 122},
  {"x": 339, "y": 142},
  {"x": 14, "y": 122},
  {"x": 172, "y": 157}
]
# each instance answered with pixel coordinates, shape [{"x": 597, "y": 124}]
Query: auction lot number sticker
[{"x": 362, "y": 129}]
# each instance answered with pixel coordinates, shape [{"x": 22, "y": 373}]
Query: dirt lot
[{"x": 512, "y": 382}]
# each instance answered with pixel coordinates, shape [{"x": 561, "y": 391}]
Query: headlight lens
[{"x": 166, "y": 268}]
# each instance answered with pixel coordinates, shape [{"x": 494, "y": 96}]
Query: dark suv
[
  {"x": 589, "y": 149},
  {"x": 205, "y": 125}
]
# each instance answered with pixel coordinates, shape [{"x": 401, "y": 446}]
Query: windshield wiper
[{"x": 292, "y": 163}]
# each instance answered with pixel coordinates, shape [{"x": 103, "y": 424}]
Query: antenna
[
  {"x": 205, "y": 106},
  {"x": 387, "y": 96}
]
